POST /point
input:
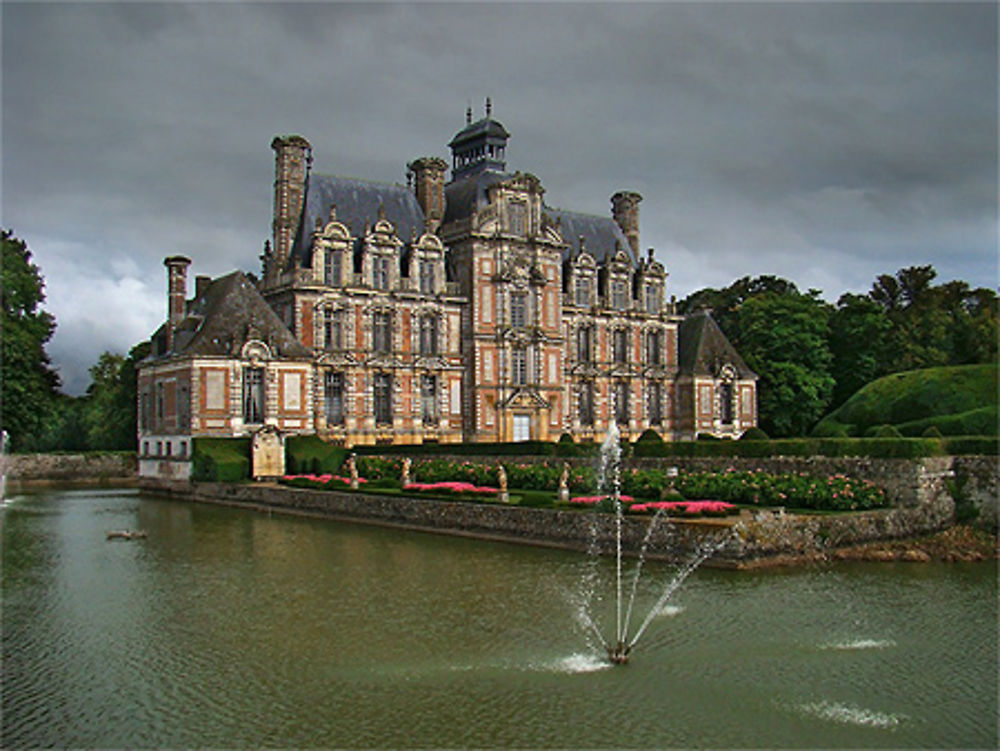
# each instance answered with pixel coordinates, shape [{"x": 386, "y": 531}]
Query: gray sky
[{"x": 825, "y": 143}]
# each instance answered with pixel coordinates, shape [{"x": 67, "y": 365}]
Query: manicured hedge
[
  {"x": 519, "y": 448},
  {"x": 220, "y": 459},
  {"x": 309, "y": 454}
]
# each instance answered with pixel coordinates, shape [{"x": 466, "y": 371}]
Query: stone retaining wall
[
  {"x": 69, "y": 467},
  {"x": 746, "y": 540}
]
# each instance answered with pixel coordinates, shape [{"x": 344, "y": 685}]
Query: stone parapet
[{"x": 69, "y": 467}]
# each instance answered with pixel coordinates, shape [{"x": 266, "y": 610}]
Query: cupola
[{"x": 479, "y": 146}]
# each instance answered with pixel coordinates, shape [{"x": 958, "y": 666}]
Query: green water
[{"x": 238, "y": 629}]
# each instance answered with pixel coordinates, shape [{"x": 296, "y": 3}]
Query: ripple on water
[
  {"x": 846, "y": 714},
  {"x": 857, "y": 644}
]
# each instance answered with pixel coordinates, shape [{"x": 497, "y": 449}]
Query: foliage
[
  {"x": 784, "y": 339},
  {"x": 859, "y": 339},
  {"x": 755, "y": 434},
  {"x": 28, "y": 382},
  {"x": 311, "y": 454},
  {"x": 725, "y": 303},
  {"x": 220, "y": 459},
  {"x": 957, "y": 400},
  {"x": 834, "y": 493}
]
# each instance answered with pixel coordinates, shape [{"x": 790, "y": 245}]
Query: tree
[
  {"x": 785, "y": 340},
  {"x": 859, "y": 337},
  {"x": 725, "y": 303},
  {"x": 110, "y": 412},
  {"x": 29, "y": 384}
]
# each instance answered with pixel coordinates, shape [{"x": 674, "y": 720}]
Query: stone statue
[
  {"x": 352, "y": 467},
  {"x": 564, "y": 483},
  {"x": 502, "y": 482},
  {"x": 406, "y": 471}
]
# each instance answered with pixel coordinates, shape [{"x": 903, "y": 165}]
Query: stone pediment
[
  {"x": 585, "y": 370},
  {"x": 524, "y": 397},
  {"x": 337, "y": 359}
]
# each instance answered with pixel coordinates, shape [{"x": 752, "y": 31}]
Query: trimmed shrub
[
  {"x": 883, "y": 431},
  {"x": 932, "y": 432},
  {"x": 708, "y": 437},
  {"x": 220, "y": 459},
  {"x": 754, "y": 434},
  {"x": 309, "y": 454},
  {"x": 649, "y": 436}
]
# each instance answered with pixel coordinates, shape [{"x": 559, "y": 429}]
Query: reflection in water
[{"x": 237, "y": 629}]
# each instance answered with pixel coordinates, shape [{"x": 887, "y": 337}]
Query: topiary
[
  {"x": 754, "y": 434},
  {"x": 932, "y": 432},
  {"x": 649, "y": 436},
  {"x": 707, "y": 437}
]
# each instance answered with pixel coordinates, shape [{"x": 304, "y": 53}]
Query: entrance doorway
[{"x": 522, "y": 427}]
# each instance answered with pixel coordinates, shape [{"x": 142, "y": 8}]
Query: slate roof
[
  {"x": 704, "y": 348},
  {"x": 600, "y": 233},
  {"x": 357, "y": 204},
  {"x": 223, "y": 318}
]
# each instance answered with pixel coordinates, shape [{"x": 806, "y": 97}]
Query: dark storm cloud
[{"x": 825, "y": 142}]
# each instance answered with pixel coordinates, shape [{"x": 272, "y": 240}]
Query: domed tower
[{"x": 479, "y": 146}]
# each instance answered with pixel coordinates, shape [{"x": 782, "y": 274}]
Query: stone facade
[{"x": 445, "y": 310}]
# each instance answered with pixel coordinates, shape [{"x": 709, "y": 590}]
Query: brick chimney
[
  {"x": 176, "y": 293},
  {"x": 625, "y": 210},
  {"x": 428, "y": 173},
  {"x": 292, "y": 159}
]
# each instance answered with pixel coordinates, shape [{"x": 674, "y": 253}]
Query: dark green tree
[
  {"x": 785, "y": 340},
  {"x": 859, "y": 342},
  {"x": 725, "y": 303},
  {"x": 29, "y": 384}
]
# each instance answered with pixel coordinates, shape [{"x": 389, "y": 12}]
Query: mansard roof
[
  {"x": 704, "y": 349},
  {"x": 228, "y": 314},
  {"x": 357, "y": 203},
  {"x": 602, "y": 237}
]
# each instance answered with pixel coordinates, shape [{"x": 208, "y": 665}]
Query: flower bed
[
  {"x": 317, "y": 481},
  {"x": 451, "y": 487},
  {"x": 593, "y": 500},
  {"x": 686, "y": 508}
]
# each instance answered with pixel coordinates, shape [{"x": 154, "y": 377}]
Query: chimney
[
  {"x": 625, "y": 210},
  {"x": 176, "y": 293},
  {"x": 428, "y": 173},
  {"x": 292, "y": 159}
]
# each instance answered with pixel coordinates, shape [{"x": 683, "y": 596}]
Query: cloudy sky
[{"x": 823, "y": 142}]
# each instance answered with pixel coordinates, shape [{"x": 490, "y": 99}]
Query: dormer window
[
  {"x": 332, "y": 268},
  {"x": 619, "y": 296},
  {"x": 653, "y": 298},
  {"x": 582, "y": 289},
  {"x": 380, "y": 272},
  {"x": 426, "y": 276},
  {"x": 517, "y": 214}
]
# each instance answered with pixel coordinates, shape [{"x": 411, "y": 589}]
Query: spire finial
[
  {"x": 468, "y": 115},
  {"x": 489, "y": 108}
]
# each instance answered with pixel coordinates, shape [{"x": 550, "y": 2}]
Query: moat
[{"x": 227, "y": 627}]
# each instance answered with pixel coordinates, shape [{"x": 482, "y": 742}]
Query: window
[
  {"x": 518, "y": 214},
  {"x": 519, "y": 367},
  {"x": 426, "y": 275},
  {"x": 182, "y": 448},
  {"x": 429, "y": 335},
  {"x": 144, "y": 415},
  {"x": 382, "y": 332},
  {"x": 652, "y": 299},
  {"x": 169, "y": 449},
  {"x": 654, "y": 348},
  {"x": 726, "y": 403},
  {"x": 584, "y": 337},
  {"x": 619, "y": 298},
  {"x": 160, "y": 400},
  {"x": 380, "y": 272},
  {"x": 428, "y": 399},
  {"x": 145, "y": 448},
  {"x": 383, "y": 398},
  {"x": 621, "y": 402},
  {"x": 518, "y": 309},
  {"x": 586, "y": 397},
  {"x": 331, "y": 268},
  {"x": 654, "y": 400},
  {"x": 183, "y": 408},
  {"x": 582, "y": 287},
  {"x": 333, "y": 330},
  {"x": 333, "y": 389},
  {"x": 620, "y": 345},
  {"x": 253, "y": 395}
]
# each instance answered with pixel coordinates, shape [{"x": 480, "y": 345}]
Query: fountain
[{"x": 619, "y": 648}]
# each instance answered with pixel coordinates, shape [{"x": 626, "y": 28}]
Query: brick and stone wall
[{"x": 69, "y": 467}]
